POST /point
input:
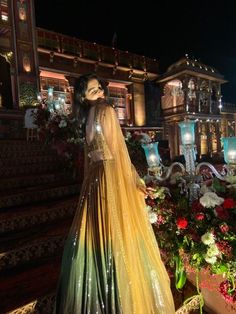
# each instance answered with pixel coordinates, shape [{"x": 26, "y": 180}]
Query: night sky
[{"x": 205, "y": 30}]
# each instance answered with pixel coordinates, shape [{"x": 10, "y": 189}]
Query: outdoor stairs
[{"x": 38, "y": 199}]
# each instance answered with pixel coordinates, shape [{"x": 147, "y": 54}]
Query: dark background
[{"x": 205, "y": 30}]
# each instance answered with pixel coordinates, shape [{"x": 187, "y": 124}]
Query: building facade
[
  {"x": 34, "y": 60},
  {"x": 192, "y": 90}
]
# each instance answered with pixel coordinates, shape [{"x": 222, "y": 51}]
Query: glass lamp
[
  {"x": 152, "y": 154},
  {"x": 187, "y": 132},
  {"x": 229, "y": 144}
]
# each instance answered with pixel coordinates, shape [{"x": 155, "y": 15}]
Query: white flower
[
  {"x": 213, "y": 250},
  {"x": 210, "y": 260},
  {"x": 208, "y": 238},
  {"x": 70, "y": 140},
  {"x": 62, "y": 124},
  {"x": 160, "y": 193},
  {"x": 148, "y": 208},
  {"x": 145, "y": 138},
  {"x": 204, "y": 189},
  {"x": 231, "y": 179},
  {"x": 152, "y": 217},
  {"x": 211, "y": 199},
  {"x": 128, "y": 136}
]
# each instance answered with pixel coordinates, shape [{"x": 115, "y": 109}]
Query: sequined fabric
[{"x": 111, "y": 261}]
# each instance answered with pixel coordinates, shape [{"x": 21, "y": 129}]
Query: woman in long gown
[{"x": 111, "y": 262}]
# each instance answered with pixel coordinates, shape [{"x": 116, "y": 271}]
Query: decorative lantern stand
[
  {"x": 53, "y": 104},
  {"x": 156, "y": 170},
  {"x": 191, "y": 171},
  {"x": 188, "y": 147}
]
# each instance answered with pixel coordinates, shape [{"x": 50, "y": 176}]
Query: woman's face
[{"x": 94, "y": 90}]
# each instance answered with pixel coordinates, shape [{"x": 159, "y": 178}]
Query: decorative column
[
  {"x": 26, "y": 72},
  {"x": 185, "y": 91},
  {"x": 209, "y": 96}
]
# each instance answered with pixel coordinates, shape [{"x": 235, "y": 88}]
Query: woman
[{"x": 111, "y": 261}]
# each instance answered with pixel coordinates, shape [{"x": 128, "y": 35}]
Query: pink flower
[
  {"x": 199, "y": 216},
  {"x": 224, "y": 288},
  {"x": 224, "y": 227},
  {"x": 225, "y": 248}
]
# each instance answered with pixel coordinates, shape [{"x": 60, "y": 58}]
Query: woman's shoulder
[{"x": 105, "y": 106}]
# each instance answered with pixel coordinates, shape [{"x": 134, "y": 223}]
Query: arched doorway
[{"x": 5, "y": 84}]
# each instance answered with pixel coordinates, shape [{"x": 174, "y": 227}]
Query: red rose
[
  {"x": 197, "y": 206},
  {"x": 229, "y": 203},
  {"x": 150, "y": 202},
  {"x": 199, "y": 216},
  {"x": 182, "y": 223},
  {"x": 221, "y": 213}
]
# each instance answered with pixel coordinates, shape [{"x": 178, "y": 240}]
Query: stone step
[
  {"x": 32, "y": 180},
  {"x": 23, "y": 153},
  {"x": 17, "y": 170},
  {"x": 22, "y": 145},
  {"x": 15, "y": 219},
  {"x": 22, "y": 288},
  {"x": 37, "y": 159},
  {"x": 43, "y": 305},
  {"x": 34, "y": 244},
  {"x": 37, "y": 194}
]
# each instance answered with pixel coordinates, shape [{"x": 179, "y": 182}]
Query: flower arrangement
[
  {"x": 197, "y": 236},
  {"x": 60, "y": 130}
]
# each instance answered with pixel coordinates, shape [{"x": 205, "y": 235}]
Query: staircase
[{"x": 38, "y": 198}]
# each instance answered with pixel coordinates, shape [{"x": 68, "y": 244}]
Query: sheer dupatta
[{"x": 143, "y": 282}]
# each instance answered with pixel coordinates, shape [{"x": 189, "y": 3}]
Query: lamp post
[{"x": 187, "y": 129}]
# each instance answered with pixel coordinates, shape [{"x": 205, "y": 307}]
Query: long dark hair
[{"x": 81, "y": 106}]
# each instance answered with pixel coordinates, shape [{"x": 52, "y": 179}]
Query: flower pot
[{"x": 214, "y": 303}]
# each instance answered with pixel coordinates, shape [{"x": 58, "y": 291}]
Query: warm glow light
[
  {"x": 4, "y": 17},
  {"x": 53, "y": 75},
  {"x": 117, "y": 85},
  {"x": 176, "y": 83}
]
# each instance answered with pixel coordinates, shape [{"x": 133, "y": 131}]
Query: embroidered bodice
[{"x": 97, "y": 145}]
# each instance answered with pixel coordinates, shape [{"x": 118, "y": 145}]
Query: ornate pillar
[
  {"x": 209, "y": 137},
  {"x": 185, "y": 91},
  {"x": 209, "y": 96},
  {"x": 218, "y": 136},
  {"x": 198, "y": 137},
  {"x": 26, "y": 71}
]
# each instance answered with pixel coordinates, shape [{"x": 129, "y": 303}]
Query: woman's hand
[{"x": 147, "y": 191}]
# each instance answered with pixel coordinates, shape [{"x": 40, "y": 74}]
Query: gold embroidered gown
[{"x": 111, "y": 261}]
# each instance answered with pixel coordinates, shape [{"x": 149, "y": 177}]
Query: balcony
[
  {"x": 228, "y": 107},
  {"x": 87, "y": 50},
  {"x": 213, "y": 108}
]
